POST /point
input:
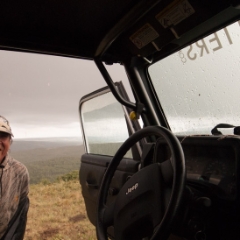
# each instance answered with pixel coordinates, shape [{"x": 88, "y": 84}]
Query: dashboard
[
  {"x": 212, "y": 162},
  {"x": 213, "y": 165}
]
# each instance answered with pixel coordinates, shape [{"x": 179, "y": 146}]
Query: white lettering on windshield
[{"x": 203, "y": 47}]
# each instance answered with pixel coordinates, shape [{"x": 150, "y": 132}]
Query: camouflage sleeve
[
  {"x": 19, "y": 182},
  {"x": 24, "y": 184}
]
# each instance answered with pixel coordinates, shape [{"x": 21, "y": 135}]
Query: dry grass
[{"x": 57, "y": 211}]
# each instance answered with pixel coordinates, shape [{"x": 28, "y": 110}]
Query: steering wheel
[{"x": 148, "y": 202}]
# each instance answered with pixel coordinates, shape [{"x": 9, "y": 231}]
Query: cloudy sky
[{"x": 40, "y": 94}]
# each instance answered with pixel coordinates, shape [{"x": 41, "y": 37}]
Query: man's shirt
[{"x": 14, "y": 181}]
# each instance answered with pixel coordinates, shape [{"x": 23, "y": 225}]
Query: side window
[{"x": 104, "y": 124}]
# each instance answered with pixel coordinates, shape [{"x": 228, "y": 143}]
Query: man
[{"x": 14, "y": 181}]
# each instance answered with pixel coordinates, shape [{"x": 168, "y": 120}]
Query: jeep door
[{"x": 105, "y": 125}]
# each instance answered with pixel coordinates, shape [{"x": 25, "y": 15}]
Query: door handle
[{"x": 92, "y": 185}]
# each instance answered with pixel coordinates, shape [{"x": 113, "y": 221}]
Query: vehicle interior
[{"x": 162, "y": 154}]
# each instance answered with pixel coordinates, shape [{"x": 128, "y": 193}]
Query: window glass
[
  {"x": 198, "y": 87},
  {"x": 104, "y": 125}
]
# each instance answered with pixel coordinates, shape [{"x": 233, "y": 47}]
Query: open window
[{"x": 105, "y": 122}]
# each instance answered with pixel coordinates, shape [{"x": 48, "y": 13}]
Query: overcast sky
[{"x": 40, "y": 94}]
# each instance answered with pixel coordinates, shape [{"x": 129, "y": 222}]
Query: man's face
[{"x": 5, "y": 142}]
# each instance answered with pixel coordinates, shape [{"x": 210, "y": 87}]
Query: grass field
[
  {"x": 57, "y": 209},
  {"x": 57, "y": 212}
]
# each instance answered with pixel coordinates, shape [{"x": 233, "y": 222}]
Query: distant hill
[
  {"x": 48, "y": 158},
  {"x": 114, "y": 109},
  {"x": 28, "y": 143}
]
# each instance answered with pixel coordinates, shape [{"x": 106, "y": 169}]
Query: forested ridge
[{"x": 49, "y": 162}]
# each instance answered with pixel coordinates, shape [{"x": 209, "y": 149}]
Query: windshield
[{"x": 198, "y": 87}]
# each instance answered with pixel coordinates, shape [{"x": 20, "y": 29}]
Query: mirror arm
[{"x": 113, "y": 89}]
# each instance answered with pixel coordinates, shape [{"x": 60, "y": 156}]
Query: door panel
[{"x": 91, "y": 173}]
